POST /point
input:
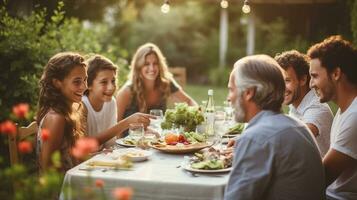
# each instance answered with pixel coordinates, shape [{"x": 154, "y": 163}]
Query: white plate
[
  {"x": 231, "y": 136},
  {"x": 122, "y": 143},
  {"x": 135, "y": 155},
  {"x": 189, "y": 168}
]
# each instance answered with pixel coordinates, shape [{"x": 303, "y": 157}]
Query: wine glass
[{"x": 156, "y": 123}]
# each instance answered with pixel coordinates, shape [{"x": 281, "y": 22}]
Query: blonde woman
[{"x": 150, "y": 84}]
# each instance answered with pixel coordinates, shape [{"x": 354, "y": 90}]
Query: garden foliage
[{"x": 27, "y": 43}]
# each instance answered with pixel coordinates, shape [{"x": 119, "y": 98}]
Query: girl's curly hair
[{"x": 58, "y": 68}]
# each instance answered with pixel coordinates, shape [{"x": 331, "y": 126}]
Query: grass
[{"x": 199, "y": 93}]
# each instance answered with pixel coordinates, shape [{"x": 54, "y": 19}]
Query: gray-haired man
[{"x": 276, "y": 156}]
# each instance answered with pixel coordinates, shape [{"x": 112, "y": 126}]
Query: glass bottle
[{"x": 209, "y": 114}]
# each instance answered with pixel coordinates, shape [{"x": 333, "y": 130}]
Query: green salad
[{"x": 184, "y": 116}]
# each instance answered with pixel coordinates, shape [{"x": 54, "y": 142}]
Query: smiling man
[
  {"x": 276, "y": 157},
  {"x": 333, "y": 70},
  {"x": 303, "y": 102}
]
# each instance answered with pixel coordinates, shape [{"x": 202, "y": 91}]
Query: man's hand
[{"x": 231, "y": 143}]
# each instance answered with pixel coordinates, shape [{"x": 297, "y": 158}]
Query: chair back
[{"x": 14, "y": 139}]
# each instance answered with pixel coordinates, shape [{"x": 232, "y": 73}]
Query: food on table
[
  {"x": 120, "y": 163},
  {"x": 236, "y": 129},
  {"x": 135, "y": 154},
  {"x": 212, "y": 159},
  {"x": 184, "y": 116},
  {"x": 184, "y": 138},
  {"x": 171, "y": 138},
  {"x": 193, "y": 137},
  {"x": 130, "y": 141}
]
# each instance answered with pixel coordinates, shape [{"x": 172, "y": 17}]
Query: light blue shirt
[{"x": 276, "y": 158}]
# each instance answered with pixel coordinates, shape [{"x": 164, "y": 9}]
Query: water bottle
[{"x": 209, "y": 115}]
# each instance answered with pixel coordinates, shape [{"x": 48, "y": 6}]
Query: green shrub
[
  {"x": 26, "y": 44},
  {"x": 219, "y": 76}
]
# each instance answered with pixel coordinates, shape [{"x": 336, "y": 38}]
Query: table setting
[{"x": 175, "y": 163}]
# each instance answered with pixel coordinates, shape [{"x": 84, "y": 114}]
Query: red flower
[
  {"x": 21, "y": 110},
  {"x": 99, "y": 183},
  {"x": 25, "y": 147},
  {"x": 8, "y": 127},
  {"x": 84, "y": 146},
  {"x": 45, "y": 134},
  {"x": 124, "y": 193}
]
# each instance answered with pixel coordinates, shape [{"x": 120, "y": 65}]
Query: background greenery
[{"x": 34, "y": 30}]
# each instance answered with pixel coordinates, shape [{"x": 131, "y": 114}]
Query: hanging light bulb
[
  {"x": 165, "y": 8},
  {"x": 246, "y": 7},
  {"x": 224, "y": 4}
]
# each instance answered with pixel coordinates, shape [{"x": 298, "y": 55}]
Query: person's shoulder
[
  {"x": 124, "y": 92},
  {"x": 271, "y": 127},
  {"x": 312, "y": 101},
  {"x": 174, "y": 86},
  {"x": 53, "y": 116},
  {"x": 112, "y": 103},
  {"x": 353, "y": 107}
]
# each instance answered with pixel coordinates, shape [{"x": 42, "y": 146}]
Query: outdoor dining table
[{"x": 159, "y": 177}]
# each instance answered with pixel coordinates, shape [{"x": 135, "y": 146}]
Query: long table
[{"x": 161, "y": 177}]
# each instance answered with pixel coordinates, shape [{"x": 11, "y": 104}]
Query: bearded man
[
  {"x": 276, "y": 157},
  {"x": 303, "y": 103}
]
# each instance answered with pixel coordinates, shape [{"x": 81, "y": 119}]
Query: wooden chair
[
  {"x": 179, "y": 74},
  {"x": 22, "y": 133}
]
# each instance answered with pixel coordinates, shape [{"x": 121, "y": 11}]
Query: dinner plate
[
  {"x": 189, "y": 168},
  {"x": 121, "y": 142},
  {"x": 180, "y": 149},
  {"x": 135, "y": 155},
  {"x": 230, "y": 135}
]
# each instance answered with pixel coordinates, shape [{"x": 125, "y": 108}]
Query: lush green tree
[{"x": 27, "y": 43}]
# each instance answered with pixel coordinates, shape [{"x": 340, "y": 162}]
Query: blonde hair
[
  {"x": 264, "y": 74},
  {"x": 162, "y": 83}
]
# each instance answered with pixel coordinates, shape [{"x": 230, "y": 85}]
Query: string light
[
  {"x": 246, "y": 7},
  {"x": 165, "y": 8},
  {"x": 224, "y": 4}
]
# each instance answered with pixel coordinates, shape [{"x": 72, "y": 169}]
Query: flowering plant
[{"x": 22, "y": 180}]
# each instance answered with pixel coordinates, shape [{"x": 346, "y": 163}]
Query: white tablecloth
[{"x": 158, "y": 178}]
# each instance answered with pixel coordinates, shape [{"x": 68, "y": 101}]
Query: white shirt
[
  {"x": 344, "y": 140},
  {"x": 311, "y": 111},
  {"x": 101, "y": 120}
]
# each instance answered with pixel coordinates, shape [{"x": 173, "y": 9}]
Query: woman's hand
[{"x": 140, "y": 118}]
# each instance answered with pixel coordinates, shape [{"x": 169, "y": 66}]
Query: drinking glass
[
  {"x": 149, "y": 136},
  {"x": 229, "y": 110},
  {"x": 156, "y": 123},
  {"x": 203, "y": 106},
  {"x": 136, "y": 131}
]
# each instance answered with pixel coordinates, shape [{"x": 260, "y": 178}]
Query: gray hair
[{"x": 264, "y": 74}]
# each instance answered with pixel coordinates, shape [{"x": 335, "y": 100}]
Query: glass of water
[
  {"x": 156, "y": 123},
  {"x": 136, "y": 131},
  {"x": 229, "y": 110}
]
